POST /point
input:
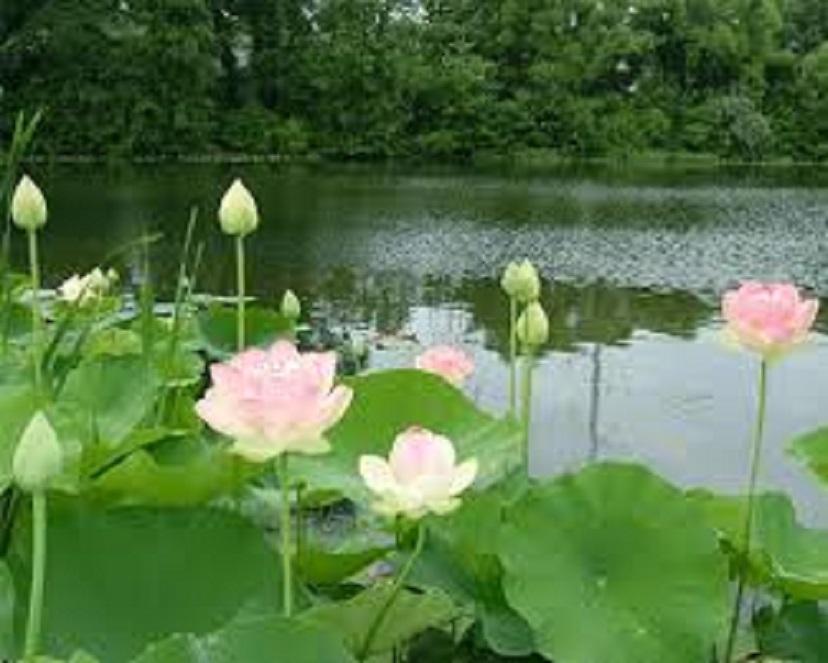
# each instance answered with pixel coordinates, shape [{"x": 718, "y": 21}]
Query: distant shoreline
[{"x": 522, "y": 159}]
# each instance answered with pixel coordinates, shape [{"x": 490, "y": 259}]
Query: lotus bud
[
  {"x": 533, "y": 326},
  {"x": 237, "y": 213},
  {"x": 28, "y": 205},
  {"x": 291, "y": 306},
  {"x": 38, "y": 458},
  {"x": 521, "y": 281}
]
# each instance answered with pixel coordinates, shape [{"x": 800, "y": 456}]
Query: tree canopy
[{"x": 742, "y": 79}]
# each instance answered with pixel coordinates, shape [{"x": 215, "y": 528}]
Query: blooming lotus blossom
[
  {"x": 768, "y": 318},
  {"x": 82, "y": 290},
  {"x": 450, "y": 363},
  {"x": 275, "y": 401},
  {"x": 420, "y": 475}
]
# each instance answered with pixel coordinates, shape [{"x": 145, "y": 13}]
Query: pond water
[{"x": 635, "y": 264}]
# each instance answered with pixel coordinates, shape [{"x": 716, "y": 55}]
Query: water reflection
[{"x": 635, "y": 368}]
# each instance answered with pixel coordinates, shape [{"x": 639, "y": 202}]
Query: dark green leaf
[
  {"x": 615, "y": 565},
  {"x": 259, "y": 640},
  {"x": 119, "y": 579},
  {"x": 387, "y": 403},
  {"x": 410, "y": 614},
  {"x": 799, "y": 631}
]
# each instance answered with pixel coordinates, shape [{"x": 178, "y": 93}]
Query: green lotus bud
[
  {"x": 237, "y": 213},
  {"x": 521, "y": 281},
  {"x": 28, "y": 205},
  {"x": 533, "y": 326},
  {"x": 291, "y": 306},
  {"x": 38, "y": 458}
]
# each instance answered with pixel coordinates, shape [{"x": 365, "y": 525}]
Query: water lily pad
[
  {"x": 812, "y": 450},
  {"x": 200, "y": 473},
  {"x": 784, "y": 553},
  {"x": 6, "y": 613},
  {"x": 461, "y": 557},
  {"x": 410, "y": 614},
  {"x": 615, "y": 565},
  {"x": 119, "y": 579},
  {"x": 217, "y": 328},
  {"x": 798, "y": 632},
  {"x": 259, "y": 640},
  {"x": 387, "y": 403}
]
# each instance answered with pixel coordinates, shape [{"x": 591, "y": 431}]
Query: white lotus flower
[
  {"x": 82, "y": 290},
  {"x": 420, "y": 476}
]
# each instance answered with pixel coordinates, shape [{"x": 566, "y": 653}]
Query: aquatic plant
[{"x": 170, "y": 440}]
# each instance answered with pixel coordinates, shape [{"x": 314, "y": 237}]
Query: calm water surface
[{"x": 635, "y": 266}]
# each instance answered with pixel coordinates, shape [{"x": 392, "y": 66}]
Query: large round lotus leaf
[
  {"x": 257, "y": 640},
  {"x": 812, "y": 450},
  {"x": 613, "y": 565},
  {"x": 784, "y": 553},
  {"x": 387, "y": 403}
]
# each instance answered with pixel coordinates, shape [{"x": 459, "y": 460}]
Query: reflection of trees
[{"x": 596, "y": 313}]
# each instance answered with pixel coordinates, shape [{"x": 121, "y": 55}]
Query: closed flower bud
[
  {"x": 521, "y": 281},
  {"x": 237, "y": 213},
  {"x": 533, "y": 326},
  {"x": 38, "y": 459},
  {"x": 291, "y": 306},
  {"x": 28, "y": 205}
]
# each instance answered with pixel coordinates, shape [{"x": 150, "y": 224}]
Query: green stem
[
  {"x": 513, "y": 343},
  {"x": 300, "y": 522},
  {"x": 240, "y": 293},
  {"x": 526, "y": 405},
  {"x": 365, "y": 650},
  {"x": 37, "y": 318},
  {"x": 755, "y": 462},
  {"x": 33, "y": 626},
  {"x": 287, "y": 578}
]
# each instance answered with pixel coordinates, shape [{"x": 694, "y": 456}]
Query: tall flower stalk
[
  {"x": 38, "y": 459},
  {"x": 285, "y": 529},
  {"x": 238, "y": 217},
  {"x": 29, "y": 213},
  {"x": 521, "y": 283},
  {"x": 240, "y": 294},
  {"x": 399, "y": 583},
  {"x": 420, "y": 476},
  {"x": 747, "y": 527},
  {"x": 272, "y": 403},
  {"x": 768, "y": 319},
  {"x": 533, "y": 333},
  {"x": 513, "y": 355},
  {"x": 37, "y": 313}
]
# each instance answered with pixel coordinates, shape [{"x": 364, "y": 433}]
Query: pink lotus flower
[
  {"x": 768, "y": 318},
  {"x": 275, "y": 401},
  {"x": 448, "y": 362},
  {"x": 420, "y": 475}
]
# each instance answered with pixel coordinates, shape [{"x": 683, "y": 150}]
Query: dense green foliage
[{"x": 742, "y": 79}]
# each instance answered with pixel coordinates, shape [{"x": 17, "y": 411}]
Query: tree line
[{"x": 739, "y": 79}]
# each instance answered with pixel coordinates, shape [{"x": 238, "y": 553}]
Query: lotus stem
[
  {"x": 747, "y": 535},
  {"x": 35, "y": 620},
  {"x": 526, "y": 404},
  {"x": 37, "y": 317},
  {"x": 287, "y": 577},
  {"x": 399, "y": 583},
  {"x": 240, "y": 293},
  {"x": 513, "y": 352},
  {"x": 300, "y": 523}
]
